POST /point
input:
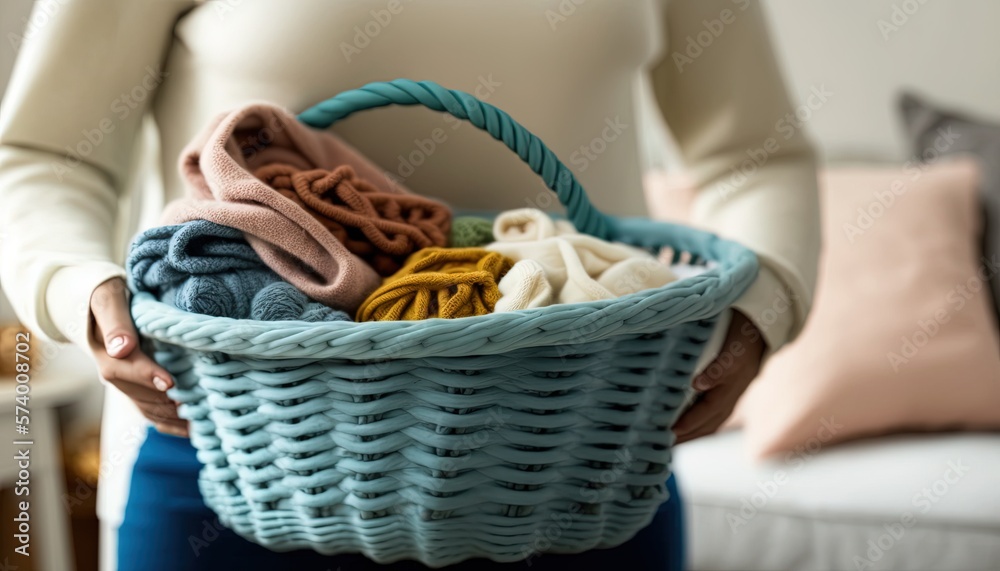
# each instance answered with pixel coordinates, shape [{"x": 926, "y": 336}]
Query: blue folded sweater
[{"x": 204, "y": 267}]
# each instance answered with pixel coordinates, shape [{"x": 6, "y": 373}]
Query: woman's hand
[
  {"x": 115, "y": 344},
  {"x": 722, "y": 383}
]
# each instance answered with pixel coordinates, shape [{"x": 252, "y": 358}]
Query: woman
[{"x": 100, "y": 76}]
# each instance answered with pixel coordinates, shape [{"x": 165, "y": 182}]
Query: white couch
[
  {"x": 904, "y": 502},
  {"x": 895, "y": 503}
]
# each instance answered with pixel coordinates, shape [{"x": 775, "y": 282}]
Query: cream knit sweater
[
  {"x": 557, "y": 264},
  {"x": 92, "y": 76}
]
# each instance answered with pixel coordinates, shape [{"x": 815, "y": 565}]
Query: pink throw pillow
[{"x": 901, "y": 336}]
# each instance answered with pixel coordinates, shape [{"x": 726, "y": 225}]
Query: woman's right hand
[{"x": 115, "y": 344}]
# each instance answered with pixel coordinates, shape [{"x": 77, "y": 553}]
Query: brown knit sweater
[{"x": 382, "y": 228}]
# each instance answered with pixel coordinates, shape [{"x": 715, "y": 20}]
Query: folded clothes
[
  {"x": 382, "y": 228},
  {"x": 280, "y": 301},
  {"x": 203, "y": 267},
  {"x": 524, "y": 287},
  {"x": 529, "y": 225},
  {"x": 470, "y": 232},
  {"x": 218, "y": 168},
  {"x": 574, "y": 267},
  {"x": 199, "y": 267},
  {"x": 439, "y": 282}
]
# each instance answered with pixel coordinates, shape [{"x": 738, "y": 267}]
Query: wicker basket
[{"x": 443, "y": 440}]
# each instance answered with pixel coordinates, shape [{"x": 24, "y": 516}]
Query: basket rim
[{"x": 704, "y": 296}]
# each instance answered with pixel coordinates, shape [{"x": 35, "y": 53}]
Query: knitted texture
[
  {"x": 382, "y": 228},
  {"x": 439, "y": 282},
  {"x": 448, "y": 439},
  {"x": 524, "y": 287},
  {"x": 577, "y": 267},
  {"x": 444, "y": 440},
  {"x": 470, "y": 232},
  {"x": 280, "y": 301},
  {"x": 199, "y": 267},
  {"x": 529, "y": 225},
  {"x": 218, "y": 169},
  {"x": 206, "y": 268}
]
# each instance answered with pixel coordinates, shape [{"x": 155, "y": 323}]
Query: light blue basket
[{"x": 500, "y": 436}]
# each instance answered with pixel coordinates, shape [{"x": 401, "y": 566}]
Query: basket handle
[{"x": 584, "y": 215}]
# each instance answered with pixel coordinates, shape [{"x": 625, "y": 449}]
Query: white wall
[
  {"x": 949, "y": 50},
  {"x": 865, "y": 51},
  {"x": 12, "y": 17}
]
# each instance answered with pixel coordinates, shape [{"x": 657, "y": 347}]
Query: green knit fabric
[{"x": 471, "y": 232}]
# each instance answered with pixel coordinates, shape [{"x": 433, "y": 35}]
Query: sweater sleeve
[
  {"x": 84, "y": 77},
  {"x": 719, "y": 88}
]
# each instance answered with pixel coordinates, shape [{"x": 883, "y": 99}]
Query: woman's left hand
[{"x": 722, "y": 382}]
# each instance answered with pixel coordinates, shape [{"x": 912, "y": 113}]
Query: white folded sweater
[{"x": 556, "y": 264}]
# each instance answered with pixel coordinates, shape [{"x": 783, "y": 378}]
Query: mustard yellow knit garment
[{"x": 439, "y": 282}]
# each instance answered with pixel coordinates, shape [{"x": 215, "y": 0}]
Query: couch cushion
[
  {"x": 903, "y": 503},
  {"x": 901, "y": 336},
  {"x": 935, "y": 133}
]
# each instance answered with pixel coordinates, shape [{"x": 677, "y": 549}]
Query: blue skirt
[{"x": 167, "y": 527}]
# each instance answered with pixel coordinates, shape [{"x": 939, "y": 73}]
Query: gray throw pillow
[{"x": 935, "y": 132}]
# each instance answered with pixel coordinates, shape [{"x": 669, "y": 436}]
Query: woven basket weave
[{"x": 500, "y": 436}]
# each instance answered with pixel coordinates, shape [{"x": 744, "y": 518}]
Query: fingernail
[
  {"x": 116, "y": 343},
  {"x": 160, "y": 384}
]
